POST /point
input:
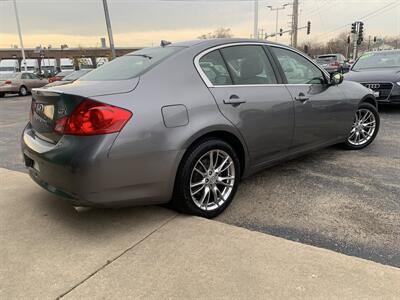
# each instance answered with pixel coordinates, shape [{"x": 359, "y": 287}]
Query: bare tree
[{"x": 219, "y": 33}]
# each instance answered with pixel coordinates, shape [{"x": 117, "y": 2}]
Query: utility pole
[
  {"x": 20, "y": 36},
  {"x": 295, "y": 22},
  {"x": 108, "y": 23},
  {"x": 277, "y": 9},
  {"x": 255, "y": 32}
]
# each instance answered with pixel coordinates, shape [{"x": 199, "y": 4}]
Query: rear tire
[
  {"x": 207, "y": 179},
  {"x": 23, "y": 91},
  {"x": 365, "y": 127}
]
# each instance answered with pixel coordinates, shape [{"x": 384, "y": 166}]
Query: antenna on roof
[{"x": 165, "y": 43}]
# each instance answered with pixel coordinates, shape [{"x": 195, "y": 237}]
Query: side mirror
[{"x": 336, "y": 78}]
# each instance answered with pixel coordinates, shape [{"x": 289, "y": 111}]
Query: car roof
[{"x": 206, "y": 43}]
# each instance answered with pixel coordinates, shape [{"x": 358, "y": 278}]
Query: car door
[
  {"x": 35, "y": 81},
  {"x": 322, "y": 113},
  {"x": 26, "y": 81},
  {"x": 249, "y": 94}
]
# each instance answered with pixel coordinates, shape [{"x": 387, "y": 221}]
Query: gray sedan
[
  {"x": 183, "y": 123},
  {"x": 21, "y": 83}
]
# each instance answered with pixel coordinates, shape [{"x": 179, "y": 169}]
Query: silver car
[
  {"x": 21, "y": 83},
  {"x": 183, "y": 123}
]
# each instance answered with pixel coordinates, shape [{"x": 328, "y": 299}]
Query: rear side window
[
  {"x": 248, "y": 64},
  {"x": 215, "y": 69},
  {"x": 131, "y": 65}
]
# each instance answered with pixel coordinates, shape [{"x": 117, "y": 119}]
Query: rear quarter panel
[{"x": 145, "y": 143}]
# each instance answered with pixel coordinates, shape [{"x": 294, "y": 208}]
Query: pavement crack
[{"x": 110, "y": 261}]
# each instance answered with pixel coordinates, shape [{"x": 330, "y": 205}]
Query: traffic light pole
[{"x": 355, "y": 46}]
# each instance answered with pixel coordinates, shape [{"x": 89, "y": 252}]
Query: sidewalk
[{"x": 49, "y": 249}]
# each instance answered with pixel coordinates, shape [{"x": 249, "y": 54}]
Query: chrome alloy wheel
[
  {"x": 363, "y": 127},
  {"x": 212, "y": 180}
]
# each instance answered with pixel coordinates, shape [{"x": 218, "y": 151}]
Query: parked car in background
[
  {"x": 9, "y": 66},
  {"x": 32, "y": 66},
  {"x": 49, "y": 67},
  {"x": 185, "y": 122},
  {"x": 380, "y": 72},
  {"x": 75, "y": 75},
  {"x": 101, "y": 61},
  {"x": 66, "y": 64},
  {"x": 21, "y": 83},
  {"x": 60, "y": 75},
  {"x": 85, "y": 63},
  {"x": 333, "y": 63}
]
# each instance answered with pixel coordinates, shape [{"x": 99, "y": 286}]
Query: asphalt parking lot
[{"x": 345, "y": 201}]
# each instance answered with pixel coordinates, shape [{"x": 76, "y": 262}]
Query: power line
[{"x": 364, "y": 17}]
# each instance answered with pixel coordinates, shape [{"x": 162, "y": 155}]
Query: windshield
[
  {"x": 378, "y": 60},
  {"x": 131, "y": 65},
  {"x": 75, "y": 75}
]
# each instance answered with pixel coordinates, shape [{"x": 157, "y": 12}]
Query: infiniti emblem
[
  {"x": 373, "y": 86},
  {"x": 39, "y": 108}
]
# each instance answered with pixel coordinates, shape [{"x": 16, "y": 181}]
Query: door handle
[
  {"x": 302, "y": 98},
  {"x": 234, "y": 100}
]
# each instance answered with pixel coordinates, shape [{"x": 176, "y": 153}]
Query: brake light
[
  {"x": 8, "y": 82},
  {"x": 55, "y": 78},
  {"x": 91, "y": 118}
]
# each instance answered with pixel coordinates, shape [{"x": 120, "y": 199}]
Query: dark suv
[{"x": 333, "y": 63}]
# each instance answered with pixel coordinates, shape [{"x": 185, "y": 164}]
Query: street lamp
[
  {"x": 109, "y": 30},
  {"x": 277, "y": 9},
  {"x": 20, "y": 35}
]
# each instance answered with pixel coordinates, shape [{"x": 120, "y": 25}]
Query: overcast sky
[{"x": 146, "y": 22}]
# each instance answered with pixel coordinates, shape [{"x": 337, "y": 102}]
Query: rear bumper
[
  {"x": 80, "y": 170},
  {"x": 9, "y": 89}
]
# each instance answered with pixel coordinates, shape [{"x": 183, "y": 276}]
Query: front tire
[
  {"x": 365, "y": 127},
  {"x": 207, "y": 179}
]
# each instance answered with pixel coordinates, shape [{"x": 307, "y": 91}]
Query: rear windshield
[
  {"x": 131, "y": 65},
  {"x": 326, "y": 58},
  {"x": 75, "y": 75},
  {"x": 64, "y": 73},
  {"x": 8, "y": 76},
  {"x": 378, "y": 60}
]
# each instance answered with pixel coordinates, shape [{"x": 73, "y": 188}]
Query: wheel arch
[
  {"x": 369, "y": 99},
  {"x": 227, "y": 135}
]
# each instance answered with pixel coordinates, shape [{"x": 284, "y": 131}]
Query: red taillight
[
  {"x": 8, "y": 82},
  {"x": 55, "y": 78},
  {"x": 91, "y": 118}
]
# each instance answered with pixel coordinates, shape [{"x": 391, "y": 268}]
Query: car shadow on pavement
[{"x": 98, "y": 222}]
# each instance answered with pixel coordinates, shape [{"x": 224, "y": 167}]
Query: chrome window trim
[
  {"x": 210, "y": 85},
  {"x": 204, "y": 76}
]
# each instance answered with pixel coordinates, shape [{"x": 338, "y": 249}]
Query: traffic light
[
  {"x": 353, "y": 27},
  {"x": 308, "y": 27},
  {"x": 281, "y": 32},
  {"x": 361, "y": 32}
]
